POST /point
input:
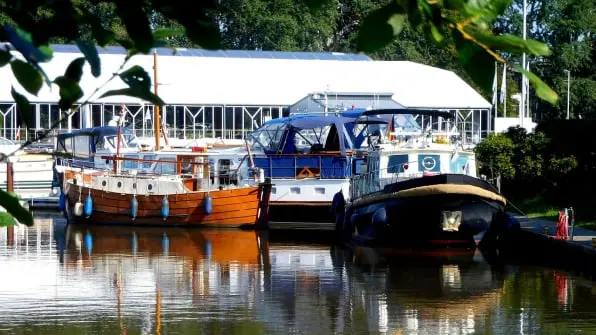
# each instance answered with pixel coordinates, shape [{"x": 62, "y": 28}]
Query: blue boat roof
[
  {"x": 96, "y": 131},
  {"x": 117, "y": 50}
]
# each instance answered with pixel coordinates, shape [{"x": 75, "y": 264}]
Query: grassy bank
[{"x": 538, "y": 208}]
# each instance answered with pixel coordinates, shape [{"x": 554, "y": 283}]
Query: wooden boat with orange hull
[{"x": 183, "y": 198}]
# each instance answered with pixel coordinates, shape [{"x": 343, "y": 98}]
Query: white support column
[
  {"x": 480, "y": 125},
  {"x": 69, "y": 122},
  {"x": 85, "y": 117},
  {"x": 37, "y": 116}
]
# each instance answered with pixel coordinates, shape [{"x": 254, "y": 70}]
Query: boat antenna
[
  {"x": 156, "y": 121},
  {"x": 118, "y": 135}
]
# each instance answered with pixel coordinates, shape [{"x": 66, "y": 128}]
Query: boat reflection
[
  {"x": 223, "y": 247},
  {"x": 428, "y": 292},
  {"x": 158, "y": 280}
]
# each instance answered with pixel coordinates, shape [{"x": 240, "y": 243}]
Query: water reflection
[{"x": 85, "y": 279}]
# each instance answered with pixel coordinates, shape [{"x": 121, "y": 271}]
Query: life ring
[
  {"x": 429, "y": 163},
  {"x": 305, "y": 173}
]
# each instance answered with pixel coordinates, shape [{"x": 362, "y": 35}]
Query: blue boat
[{"x": 309, "y": 158}]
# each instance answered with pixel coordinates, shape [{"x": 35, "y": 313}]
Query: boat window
[
  {"x": 186, "y": 165},
  {"x": 396, "y": 163},
  {"x": 315, "y": 139},
  {"x": 406, "y": 122},
  {"x": 147, "y": 165},
  {"x": 81, "y": 146},
  {"x": 130, "y": 164},
  {"x": 131, "y": 141},
  {"x": 61, "y": 145},
  {"x": 107, "y": 143},
  {"x": 166, "y": 168},
  {"x": 267, "y": 137},
  {"x": 68, "y": 144}
]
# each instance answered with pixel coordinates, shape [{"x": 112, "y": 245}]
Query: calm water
[{"x": 90, "y": 280}]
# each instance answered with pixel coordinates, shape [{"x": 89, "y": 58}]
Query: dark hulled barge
[{"x": 418, "y": 189}]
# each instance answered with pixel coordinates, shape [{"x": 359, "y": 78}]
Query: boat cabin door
[{"x": 185, "y": 165}]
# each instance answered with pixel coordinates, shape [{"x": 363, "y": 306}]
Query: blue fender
[
  {"x": 134, "y": 207},
  {"x": 88, "y": 206},
  {"x": 62, "y": 201},
  {"x": 208, "y": 204},
  {"x": 165, "y": 207}
]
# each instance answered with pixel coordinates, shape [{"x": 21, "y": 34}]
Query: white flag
[
  {"x": 495, "y": 86},
  {"x": 504, "y": 84},
  {"x": 528, "y": 91}
]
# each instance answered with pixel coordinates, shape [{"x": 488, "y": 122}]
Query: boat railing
[
  {"x": 316, "y": 166},
  {"x": 190, "y": 170},
  {"x": 375, "y": 181}
]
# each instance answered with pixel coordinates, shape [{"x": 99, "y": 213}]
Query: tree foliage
[
  {"x": 532, "y": 164},
  {"x": 569, "y": 27}
]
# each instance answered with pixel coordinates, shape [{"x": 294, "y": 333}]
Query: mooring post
[{"x": 572, "y": 222}]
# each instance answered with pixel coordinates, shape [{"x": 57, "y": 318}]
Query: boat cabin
[
  {"x": 84, "y": 147},
  {"x": 305, "y": 146},
  {"x": 402, "y": 149}
]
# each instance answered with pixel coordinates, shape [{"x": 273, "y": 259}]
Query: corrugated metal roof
[
  {"x": 236, "y": 81},
  {"x": 116, "y": 50}
]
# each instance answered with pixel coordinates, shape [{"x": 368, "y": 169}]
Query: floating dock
[
  {"x": 49, "y": 203},
  {"x": 536, "y": 243}
]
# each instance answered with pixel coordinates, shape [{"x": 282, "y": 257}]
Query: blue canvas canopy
[
  {"x": 411, "y": 111},
  {"x": 339, "y": 138}
]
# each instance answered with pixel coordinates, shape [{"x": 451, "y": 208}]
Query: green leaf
[
  {"x": 27, "y": 76},
  {"x": 24, "y": 107},
  {"x": 477, "y": 63},
  {"x": 380, "y": 27},
  {"x": 136, "y": 77},
  {"x": 13, "y": 206},
  {"x": 21, "y": 40},
  {"x": 543, "y": 91},
  {"x": 433, "y": 32},
  {"x": 90, "y": 51},
  {"x": 6, "y": 220},
  {"x": 509, "y": 43},
  {"x": 314, "y": 5},
  {"x": 74, "y": 70},
  {"x": 137, "y": 23},
  {"x": 5, "y": 57},
  {"x": 136, "y": 93},
  {"x": 70, "y": 92},
  {"x": 454, "y": 4},
  {"x": 486, "y": 10}
]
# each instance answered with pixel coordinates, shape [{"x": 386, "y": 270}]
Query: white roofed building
[{"x": 225, "y": 94}]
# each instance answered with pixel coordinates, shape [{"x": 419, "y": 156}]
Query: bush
[{"x": 556, "y": 163}]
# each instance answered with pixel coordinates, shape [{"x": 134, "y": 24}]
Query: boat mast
[{"x": 156, "y": 119}]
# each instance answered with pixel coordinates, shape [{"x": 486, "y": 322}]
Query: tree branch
[{"x": 70, "y": 112}]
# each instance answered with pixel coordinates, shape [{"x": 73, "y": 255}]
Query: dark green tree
[{"x": 568, "y": 27}]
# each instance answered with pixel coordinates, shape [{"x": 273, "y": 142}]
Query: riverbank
[
  {"x": 537, "y": 243},
  {"x": 538, "y": 208}
]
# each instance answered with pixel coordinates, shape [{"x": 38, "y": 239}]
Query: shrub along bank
[{"x": 547, "y": 170}]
